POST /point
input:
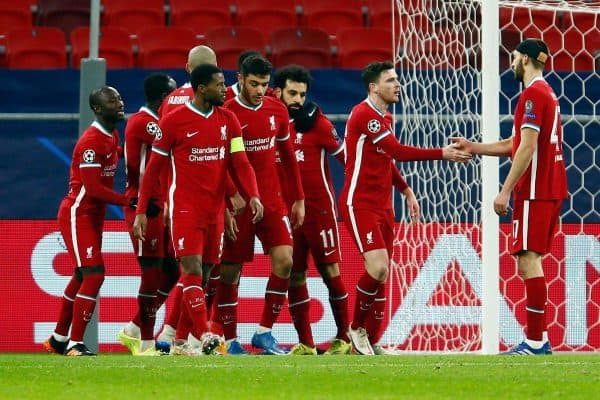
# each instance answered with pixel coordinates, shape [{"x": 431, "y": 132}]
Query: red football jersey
[
  {"x": 311, "y": 149},
  {"x": 370, "y": 150},
  {"x": 545, "y": 177},
  {"x": 177, "y": 97},
  {"x": 96, "y": 151},
  {"x": 200, "y": 149},
  {"x": 139, "y": 134},
  {"x": 262, "y": 126}
]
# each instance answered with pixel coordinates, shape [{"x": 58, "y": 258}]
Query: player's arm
[
  {"x": 501, "y": 148},
  {"x": 242, "y": 172},
  {"x": 150, "y": 179},
  {"x": 292, "y": 173},
  {"x": 411, "y": 200},
  {"x": 91, "y": 177},
  {"x": 521, "y": 161},
  {"x": 401, "y": 152}
]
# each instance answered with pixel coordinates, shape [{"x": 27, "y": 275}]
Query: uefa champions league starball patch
[
  {"x": 152, "y": 128},
  {"x": 374, "y": 126},
  {"x": 89, "y": 156}
]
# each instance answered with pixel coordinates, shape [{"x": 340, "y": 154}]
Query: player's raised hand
[
  {"x": 139, "y": 226},
  {"x": 297, "y": 215},
  {"x": 453, "y": 153},
  {"x": 257, "y": 209}
]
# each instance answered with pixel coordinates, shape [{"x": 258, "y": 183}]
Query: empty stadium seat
[
  {"x": 306, "y": 46},
  {"x": 114, "y": 46},
  {"x": 14, "y": 15},
  {"x": 229, "y": 41},
  {"x": 42, "y": 47},
  {"x": 332, "y": 15},
  {"x": 413, "y": 18},
  {"x": 359, "y": 46},
  {"x": 63, "y": 14},
  {"x": 165, "y": 47},
  {"x": 200, "y": 15},
  {"x": 267, "y": 15},
  {"x": 582, "y": 20},
  {"x": 133, "y": 15}
]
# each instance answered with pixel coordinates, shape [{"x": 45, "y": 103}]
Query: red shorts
[
  {"x": 320, "y": 237},
  {"x": 154, "y": 245},
  {"x": 533, "y": 225},
  {"x": 83, "y": 237},
  {"x": 273, "y": 230},
  {"x": 213, "y": 244},
  {"x": 371, "y": 229},
  {"x": 188, "y": 236}
]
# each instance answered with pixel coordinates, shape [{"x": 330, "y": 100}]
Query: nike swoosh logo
[
  {"x": 310, "y": 114},
  {"x": 190, "y": 134},
  {"x": 328, "y": 253},
  {"x": 244, "y": 126},
  {"x": 227, "y": 322},
  {"x": 109, "y": 155}
]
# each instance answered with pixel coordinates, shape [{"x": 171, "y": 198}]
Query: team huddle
[{"x": 209, "y": 168}]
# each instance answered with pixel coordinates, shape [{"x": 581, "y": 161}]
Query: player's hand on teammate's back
[
  {"x": 257, "y": 209},
  {"x": 297, "y": 215},
  {"x": 231, "y": 228},
  {"x": 139, "y": 226},
  {"x": 452, "y": 152}
]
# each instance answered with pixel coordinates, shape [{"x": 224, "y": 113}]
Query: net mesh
[{"x": 435, "y": 285}]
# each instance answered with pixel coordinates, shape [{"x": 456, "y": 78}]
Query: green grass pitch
[{"x": 108, "y": 376}]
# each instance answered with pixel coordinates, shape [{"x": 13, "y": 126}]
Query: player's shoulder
[
  {"x": 540, "y": 89},
  {"x": 275, "y": 104},
  {"x": 230, "y": 103}
]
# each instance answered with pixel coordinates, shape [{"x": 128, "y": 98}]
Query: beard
[
  {"x": 293, "y": 110},
  {"x": 216, "y": 101},
  {"x": 519, "y": 71}
]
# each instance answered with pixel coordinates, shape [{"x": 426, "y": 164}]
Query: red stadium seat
[
  {"x": 42, "y": 47},
  {"x": 229, "y": 41},
  {"x": 14, "y": 15},
  {"x": 63, "y": 14},
  {"x": 412, "y": 18},
  {"x": 563, "y": 61},
  {"x": 133, "y": 15},
  {"x": 359, "y": 46},
  {"x": 165, "y": 47},
  {"x": 583, "y": 21},
  {"x": 267, "y": 15},
  {"x": 523, "y": 17},
  {"x": 333, "y": 15},
  {"x": 308, "y": 47},
  {"x": 115, "y": 47},
  {"x": 200, "y": 15}
]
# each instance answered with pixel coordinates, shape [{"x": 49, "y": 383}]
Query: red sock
[
  {"x": 535, "y": 308},
  {"x": 211, "y": 288},
  {"x": 366, "y": 290},
  {"x": 226, "y": 301},
  {"x": 183, "y": 325},
  {"x": 146, "y": 298},
  {"x": 84, "y": 304},
  {"x": 375, "y": 318},
  {"x": 194, "y": 304},
  {"x": 299, "y": 305},
  {"x": 65, "y": 315},
  {"x": 173, "y": 313},
  {"x": 338, "y": 299},
  {"x": 274, "y": 298}
]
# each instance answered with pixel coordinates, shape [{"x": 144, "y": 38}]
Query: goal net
[{"x": 439, "y": 296}]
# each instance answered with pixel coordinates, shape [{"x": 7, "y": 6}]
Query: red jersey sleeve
[
  {"x": 240, "y": 169},
  {"x": 288, "y": 159}
]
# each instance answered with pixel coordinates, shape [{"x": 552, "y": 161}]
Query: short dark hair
[
  {"x": 203, "y": 74},
  {"x": 96, "y": 95},
  {"x": 537, "y": 51},
  {"x": 245, "y": 54},
  {"x": 372, "y": 72},
  {"x": 294, "y": 73},
  {"x": 155, "y": 86},
  {"x": 256, "y": 65}
]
